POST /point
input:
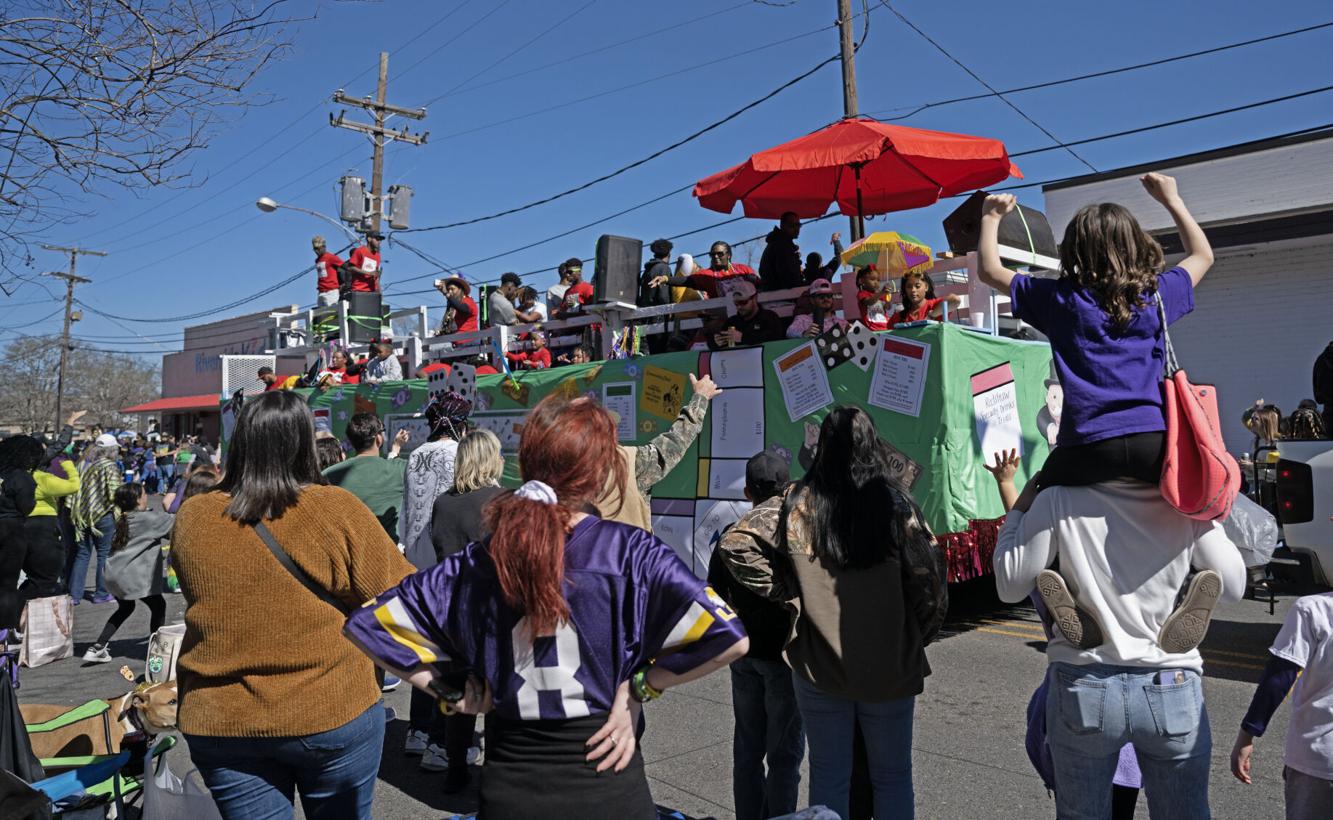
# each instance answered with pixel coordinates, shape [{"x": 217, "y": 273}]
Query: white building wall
[
  {"x": 1286, "y": 179},
  {"x": 1261, "y": 316}
]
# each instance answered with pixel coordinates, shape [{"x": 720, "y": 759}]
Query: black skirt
[{"x": 536, "y": 769}]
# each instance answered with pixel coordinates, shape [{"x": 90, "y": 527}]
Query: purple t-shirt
[
  {"x": 631, "y": 600},
  {"x": 1111, "y": 381}
]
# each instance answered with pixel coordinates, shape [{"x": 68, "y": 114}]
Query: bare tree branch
[{"x": 116, "y": 92}]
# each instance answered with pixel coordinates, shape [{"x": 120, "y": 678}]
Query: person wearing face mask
[{"x": 751, "y": 325}]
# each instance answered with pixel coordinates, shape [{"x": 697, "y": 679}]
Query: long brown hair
[
  {"x": 570, "y": 446},
  {"x": 1105, "y": 251},
  {"x": 126, "y": 500}
]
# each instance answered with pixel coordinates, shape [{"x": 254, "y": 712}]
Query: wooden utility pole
[
  {"x": 849, "y": 104},
  {"x": 380, "y": 110},
  {"x": 70, "y": 281}
]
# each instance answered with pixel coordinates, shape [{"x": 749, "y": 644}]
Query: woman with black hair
[
  {"x": 136, "y": 569},
  {"x": 273, "y": 700},
  {"x": 850, "y": 544},
  {"x": 19, "y": 456}
]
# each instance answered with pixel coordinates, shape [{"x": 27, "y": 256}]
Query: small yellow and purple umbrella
[{"x": 892, "y": 253}]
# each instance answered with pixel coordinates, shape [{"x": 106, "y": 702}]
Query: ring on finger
[{"x": 614, "y": 741}]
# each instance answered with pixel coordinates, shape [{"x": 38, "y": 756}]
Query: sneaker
[
  {"x": 473, "y": 755},
  {"x": 390, "y": 683},
  {"x": 415, "y": 745},
  {"x": 96, "y": 654},
  {"x": 456, "y": 779},
  {"x": 433, "y": 759},
  {"x": 105, "y": 599},
  {"x": 1079, "y": 626},
  {"x": 1185, "y": 627}
]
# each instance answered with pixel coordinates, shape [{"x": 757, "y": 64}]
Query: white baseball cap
[{"x": 106, "y": 440}]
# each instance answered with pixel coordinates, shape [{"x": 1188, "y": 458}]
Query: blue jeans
[
  {"x": 88, "y": 544},
  {"x": 1093, "y": 710},
  {"x": 830, "y": 723},
  {"x": 255, "y": 778},
  {"x": 768, "y": 727}
]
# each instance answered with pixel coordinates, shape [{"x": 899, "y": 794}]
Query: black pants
[
  {"x": 44, "y": 562},
  {"x": 157, "y": 615},
  {"x": 13, "y": 549},
  {"x": 535, "y": 770},
  {"x": 425, "y": 716},
  {"x": 1138, "y": 456}
]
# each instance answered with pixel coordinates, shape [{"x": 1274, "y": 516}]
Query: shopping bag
[
  {"x": 164, "y": 648},
  {"x": 48, "y": 633},
  {"x": 1199, "y": 477},
  {"x": 168, "y": 797},
  {"x": 1253, "y": 530}
]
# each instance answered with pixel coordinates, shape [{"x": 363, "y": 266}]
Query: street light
[{"x": 268, "y": 206}]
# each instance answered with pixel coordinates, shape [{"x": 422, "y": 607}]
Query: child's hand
[
  {"x": 837, "y": 237},
  {"x": 997, "y": 205},
  {"x": 1160, "y": 187},
  {"x": 1006, "y": 466}
]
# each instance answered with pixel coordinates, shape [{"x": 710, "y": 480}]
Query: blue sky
[{"x": 508, "y": 133}]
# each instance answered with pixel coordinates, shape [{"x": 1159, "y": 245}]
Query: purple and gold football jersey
[{"x": 631, "y": 600}]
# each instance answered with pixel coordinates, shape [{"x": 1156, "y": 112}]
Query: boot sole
[
  {"x": 1185, "y": 628},
  {"x": 1079, "y": 627}
]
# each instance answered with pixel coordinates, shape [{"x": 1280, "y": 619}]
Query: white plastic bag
[
  {"x": 48, "y": 631},
  {"x": 168, "y": 797},
  {"x": 164, "y": 647},
  {"x": 1253, "y": 530}
]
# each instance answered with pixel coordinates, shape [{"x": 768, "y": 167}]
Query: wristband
[{"x": 640, "y": 689}]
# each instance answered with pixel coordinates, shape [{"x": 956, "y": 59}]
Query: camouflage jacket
[
  {"x": 769, "y": 551},
  {"x": 652, "y": 461}
]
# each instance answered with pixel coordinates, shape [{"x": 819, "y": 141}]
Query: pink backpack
[{"x": 1199, "y": 477}]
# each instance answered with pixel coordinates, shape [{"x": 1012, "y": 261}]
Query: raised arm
[
  {"x": 1198, "y": 253},
  {"x": 990, "y": 269}
]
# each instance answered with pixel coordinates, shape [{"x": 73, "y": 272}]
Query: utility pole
[
  {"x": 849, "y": 104},
  {"x": 70, "y": 281},
  {"x": 380, "y": 110}
]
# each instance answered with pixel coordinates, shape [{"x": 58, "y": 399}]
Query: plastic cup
[{"x": 978, "y": 319}]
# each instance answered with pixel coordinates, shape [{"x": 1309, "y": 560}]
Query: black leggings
[
  {"x": 157, "y": 615},
  {"x": 1137, "y": 456}
]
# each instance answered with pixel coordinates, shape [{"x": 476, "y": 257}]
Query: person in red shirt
[
  {"x": 326, "y": 273},
  {"x": 271, "y": 380},
  {"x": 341, "y": 370},
  {"x": 874, "y": 302},
  {"x": 919, "y": 300},
  {"x": 715, "y": 280},
  {"x": 461, "y": 314},
  {"x": 538, "y": 358},
  {"x": 365, "y": 265},
  {"x": 578, "y": 294}
]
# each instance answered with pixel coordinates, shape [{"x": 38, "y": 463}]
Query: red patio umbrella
[{"x": 865, "y": 166}]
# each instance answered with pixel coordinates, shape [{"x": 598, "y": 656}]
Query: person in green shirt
[{"x": 377, "y": 481}]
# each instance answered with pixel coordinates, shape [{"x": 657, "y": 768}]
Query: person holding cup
[{"x": 750, "y": 324}]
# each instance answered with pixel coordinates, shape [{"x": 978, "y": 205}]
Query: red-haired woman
[{"x": 565, "y": 624}]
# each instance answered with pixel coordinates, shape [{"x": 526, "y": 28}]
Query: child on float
[
  {"x": 1105, "y": 327},
  {"x": 919, "y": 301}
]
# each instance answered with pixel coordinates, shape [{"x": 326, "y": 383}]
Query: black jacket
[
  {"x": 764, "y": 326},
  {"x": 780, "y": 266},
  {"x": 660, "y": 295},
  {"x": 18, "y": 494},
  {"x": 456, "y": 520}
]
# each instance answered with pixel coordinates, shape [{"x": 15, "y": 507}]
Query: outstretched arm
[
  {"x": 1198, "y": 253},
  {"x": 990, "y": 269}
]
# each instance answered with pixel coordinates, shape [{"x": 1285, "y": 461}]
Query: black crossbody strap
[{"x": 297, "y": 573}]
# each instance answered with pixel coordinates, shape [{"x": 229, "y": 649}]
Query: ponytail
[
  {"x": 126, "y": 501},
  {"x": 571, "y": 447}
]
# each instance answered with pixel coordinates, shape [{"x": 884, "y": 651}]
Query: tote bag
[
  {"x": 1199, "y": 477},
  {"x": 164, "y": 647},
  {"x": 48, "y": 633}
]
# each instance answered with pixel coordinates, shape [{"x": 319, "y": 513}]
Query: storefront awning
[{"x": 180, "y": 404}]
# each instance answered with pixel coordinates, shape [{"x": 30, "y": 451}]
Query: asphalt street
[{"x": 968, "y": 752}]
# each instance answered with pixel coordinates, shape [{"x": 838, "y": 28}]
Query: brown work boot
[
  {"x": 1184, "y": 628},
  {"x": 1079, "y": 626}
]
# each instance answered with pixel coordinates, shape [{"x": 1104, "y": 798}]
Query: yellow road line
[
  {"x": 1206, "y": 653},
  {"x": 1023, "y": 625},
  {"x": 994, "y": 631}
]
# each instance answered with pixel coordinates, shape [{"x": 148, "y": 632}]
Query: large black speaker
[
  {"x": 963, "y": 228},
  {"x": 616, "y": 276},
  {"x": 365, "y": 316}
]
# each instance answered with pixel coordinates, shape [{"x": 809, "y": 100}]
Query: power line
[
  {"x": 1104, "y": 73},
  {"x": 941, "y": 49},
  {"x": 603, "y": 178}
]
